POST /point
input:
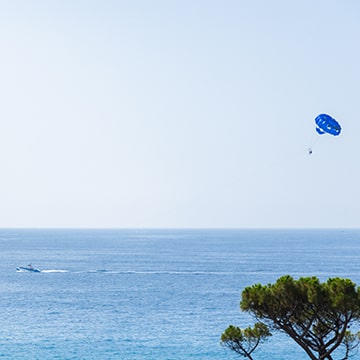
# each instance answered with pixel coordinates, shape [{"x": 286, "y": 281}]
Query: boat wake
[
  {"x": 126, "y": 272},
  {"x": 24, "y": 269}
]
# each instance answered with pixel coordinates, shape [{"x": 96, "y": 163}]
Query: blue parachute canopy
[{"x": 326, "y": 124}]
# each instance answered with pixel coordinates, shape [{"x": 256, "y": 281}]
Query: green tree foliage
[
  {"x": 315, "y": 315},
  {"x": 244, "y": 342}
]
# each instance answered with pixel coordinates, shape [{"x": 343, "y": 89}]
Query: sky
[{"x": 178, "y": 113}]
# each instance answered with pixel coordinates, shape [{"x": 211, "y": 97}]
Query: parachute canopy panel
[{"x": 326, "y": 124}]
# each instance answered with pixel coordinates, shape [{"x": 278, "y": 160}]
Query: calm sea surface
[{"x": 151, "y": 294}]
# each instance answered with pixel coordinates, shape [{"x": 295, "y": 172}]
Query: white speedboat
[{"x": 28, "y": 268}]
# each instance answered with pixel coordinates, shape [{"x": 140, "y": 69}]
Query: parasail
[{"x": 326, "y": 124}]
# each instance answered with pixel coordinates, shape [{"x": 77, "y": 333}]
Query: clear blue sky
[{"x": 178, "y": 113}]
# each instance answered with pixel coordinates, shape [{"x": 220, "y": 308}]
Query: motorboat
[{"x": 28, "y": 268}]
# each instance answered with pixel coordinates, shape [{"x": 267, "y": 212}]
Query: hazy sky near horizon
[{"x": 178, "y": 113}]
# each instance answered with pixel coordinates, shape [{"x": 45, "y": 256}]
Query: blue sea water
[{"x": 151, "y": 294}]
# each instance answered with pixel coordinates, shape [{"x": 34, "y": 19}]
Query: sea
[{"x": 158, "y": 294}]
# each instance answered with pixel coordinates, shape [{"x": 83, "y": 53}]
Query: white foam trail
[{"x": 55, "y": 271}]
